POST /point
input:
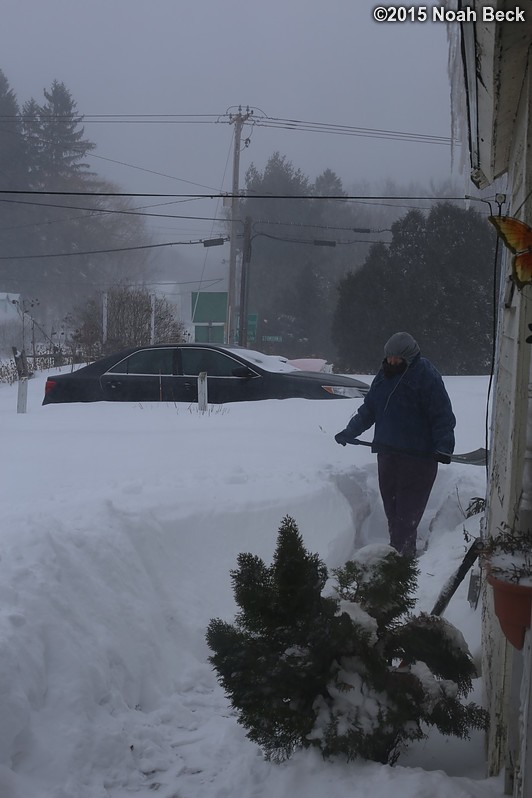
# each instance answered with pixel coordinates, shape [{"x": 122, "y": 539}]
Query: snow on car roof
[{"x": 266, "y": 362}]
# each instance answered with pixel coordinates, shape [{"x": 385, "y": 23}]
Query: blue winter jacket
[{"x": 412, "y": 412}]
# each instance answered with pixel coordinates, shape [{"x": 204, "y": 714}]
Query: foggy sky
[{"x": 315, "y": 60}]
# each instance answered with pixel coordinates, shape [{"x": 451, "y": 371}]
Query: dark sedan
[{"x": 169, "y": 373}]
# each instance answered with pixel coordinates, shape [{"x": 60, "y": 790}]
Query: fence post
[
  {"x": 22, "y": 395},
  {"x": 202, "y": 391},
  {"x": 23, "y": 372}
]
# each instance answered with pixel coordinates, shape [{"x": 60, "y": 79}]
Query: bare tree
[{"x": 129, "y": 321}]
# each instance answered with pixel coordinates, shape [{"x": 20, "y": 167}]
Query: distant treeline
[
  {"x": 329, "y": 276},
  {"x": 336, "y": 277}
]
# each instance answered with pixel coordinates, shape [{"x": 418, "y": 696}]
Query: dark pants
[{"x": 405, "y": 483}]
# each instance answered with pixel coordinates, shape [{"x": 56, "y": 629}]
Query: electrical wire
[
  {"x": 255, "y": 120},
  {"x": 91, "y": 212},
  {"x": 94, "y": 211},
  {"x": 104, "y": 251},
  {"x": 177, "y": 243},
  {"x": 319, "y": 226},
  {"x": 141, "y": 212},
  {"x": 312, "y": 241},
  {"x": 348, "y": 130},
  {"x": 149, "y": 171},
  {"x": 61, "y": 281},
  {"x": 227, "y": 195}
]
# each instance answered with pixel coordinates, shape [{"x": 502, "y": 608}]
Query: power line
[
  {"x": 149, "y": 171},
  {"x": 205, "y": 242},
  {"x": 226, "y": 195},
  {"x": 256, "y": 120},
  {"x": 348, "y": 130},
  {"x": 117, "y": 120},
  {"x": 64, "y": 282},
  {"x": 313, "y": 242},
  {"x": 93, "y": 211},
  {"x": 104, "y": 251},
  {"x": 319, "y": 226},
  {"x": 140, "y": 212}
]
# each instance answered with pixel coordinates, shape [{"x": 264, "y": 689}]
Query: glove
[
  {"x": 442, "y": 457},
  {"x": 344, "y": 437}
]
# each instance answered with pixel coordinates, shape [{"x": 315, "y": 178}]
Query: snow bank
[{"x": 120, "y": 526}]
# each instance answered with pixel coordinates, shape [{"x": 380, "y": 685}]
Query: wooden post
[
  {"x": 202, "y": 391},
  {"x": 22, "y": 370},
  {"x": 22, "y": 395}
]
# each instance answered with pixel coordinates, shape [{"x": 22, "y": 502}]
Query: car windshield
[{"x": 266, "y": 362}]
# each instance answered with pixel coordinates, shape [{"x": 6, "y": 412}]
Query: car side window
[
  {"x": 216, "y": 364},
  {"x": 146, "y": 361}
]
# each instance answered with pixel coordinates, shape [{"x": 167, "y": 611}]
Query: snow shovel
[
  {"x": 477, "y": 457},
  {"x": 452, "y": 584}
]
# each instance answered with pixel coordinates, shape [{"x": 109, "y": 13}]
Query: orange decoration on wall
[{"x": 518, "y": 238}]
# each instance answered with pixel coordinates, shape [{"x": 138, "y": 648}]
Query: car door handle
[
  {"x": 115, "y": 384},
  {"x": 189, "y": 385}
]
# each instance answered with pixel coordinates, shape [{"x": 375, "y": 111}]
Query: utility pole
[
  {"x": 244, "y": 285},
  {"x": 105, "y": 298},
  {"x": 153, "y": 302},
  {"x": 238, "y": 121},
  {"x": 33, "y": 349}
]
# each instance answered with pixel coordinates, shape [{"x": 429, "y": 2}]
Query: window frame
[
  {"x": 227, "y": 355},
  {"x": 112, "y": 370}
]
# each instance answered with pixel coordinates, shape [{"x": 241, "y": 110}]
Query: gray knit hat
[{"x": 401, "y": 344}]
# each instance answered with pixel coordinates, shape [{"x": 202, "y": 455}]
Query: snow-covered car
[{"x": 169, "y": 373}]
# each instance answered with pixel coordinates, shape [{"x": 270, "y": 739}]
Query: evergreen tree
[
  {"x": 354, "y": 674},
  {"x": 14, "y": 173},
  {"x": 276, "y": 657},
  {"x": 32, "y": 132},
  {"x": 328, "y": 184},
  {"x": 284, "y": 251},
  {"x": 436, "y": 280},
  {"x": 59, "y": 147},
  {"x": 365, "y": 313},
  {"x": 50, "y": 155},
  {"x": 13, "y": 161}
]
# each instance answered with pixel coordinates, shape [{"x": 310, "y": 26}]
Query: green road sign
[
  {"x": 209, "y": 306},
  {"x": 252, "y": 327}
]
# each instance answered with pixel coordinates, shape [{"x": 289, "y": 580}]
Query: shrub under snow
[{"x": 354, "y": 673}]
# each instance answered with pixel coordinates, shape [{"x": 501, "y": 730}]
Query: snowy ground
[{"x": 120, "y": 525}]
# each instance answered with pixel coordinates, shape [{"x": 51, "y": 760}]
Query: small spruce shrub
[{"x": 355, "y": 673}]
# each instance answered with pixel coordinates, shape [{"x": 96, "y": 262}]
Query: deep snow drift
[{"x": 120, "y": 525}]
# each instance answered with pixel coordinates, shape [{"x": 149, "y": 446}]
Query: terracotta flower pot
[{"x": 513, "y": 605}]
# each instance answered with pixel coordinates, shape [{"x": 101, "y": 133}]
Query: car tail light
[{"x": 49, "y": 387}]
